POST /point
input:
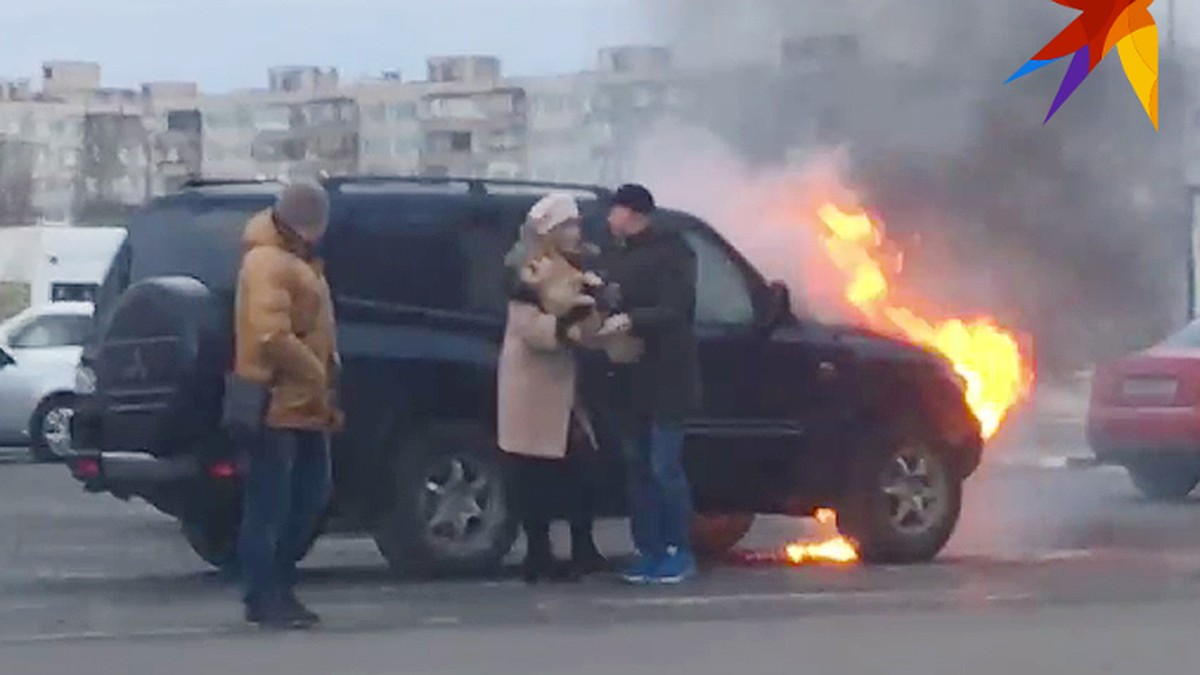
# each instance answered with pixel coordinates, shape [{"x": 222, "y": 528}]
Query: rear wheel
[
  {"x": 904, "y": 503},
  {"x": 216, "y": 542},
  {"x": 449, "y": 513},
  {"x": 1165, "y": 480},
  {"x": 50, "y": 428},
  {"x": 713, "y": 535},
  {"x": 214, "y": 536}
]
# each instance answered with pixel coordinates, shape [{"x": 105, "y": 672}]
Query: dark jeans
[
  {"x": 536, "y": 487},
  {"x": 660, "y": 499},
  {"x": 288, "y": 485}
]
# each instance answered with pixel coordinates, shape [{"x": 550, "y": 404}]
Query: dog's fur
[{"x": 561, "y": 290}]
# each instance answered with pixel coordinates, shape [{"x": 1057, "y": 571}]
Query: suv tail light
[
  {"x": 86, "y": 468},
  {"x": 223, "y": 470}
]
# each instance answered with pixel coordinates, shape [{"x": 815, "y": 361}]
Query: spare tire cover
[{"x": 160, "y": 366}]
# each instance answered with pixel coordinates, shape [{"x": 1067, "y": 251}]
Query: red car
[{"x": 1145, "y": 416}]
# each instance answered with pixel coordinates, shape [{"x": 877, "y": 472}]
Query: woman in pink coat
[{"x": 537, "y": 409}]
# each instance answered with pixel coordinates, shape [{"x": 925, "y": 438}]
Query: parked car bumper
[{"x": 1121, "y": 434}]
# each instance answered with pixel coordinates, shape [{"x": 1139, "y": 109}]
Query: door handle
[{"x": 827, "y": 370}]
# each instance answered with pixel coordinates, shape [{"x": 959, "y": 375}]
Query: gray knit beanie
[{"x": 303, "y": 207}]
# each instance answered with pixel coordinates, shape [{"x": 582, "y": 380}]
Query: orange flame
[
  {"x": 988, "y": 357},
  {"x": 834, "y": 548}
]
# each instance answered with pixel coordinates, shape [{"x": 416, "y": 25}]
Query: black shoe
[
  {"x": 588, "y": 560},
  {"x": 297, "y": 608},
  {"x": 565, "y": 573},
  {"x": 274, "y": 614},
  {"x": 535, "y": 569}
]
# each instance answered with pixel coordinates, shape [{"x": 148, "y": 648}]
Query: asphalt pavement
[{"x": 1054, "y": 569}]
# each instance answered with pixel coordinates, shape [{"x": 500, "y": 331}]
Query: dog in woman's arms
[{"x": 581, "y": 299}]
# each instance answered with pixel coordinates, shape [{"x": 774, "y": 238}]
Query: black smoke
[{"x": 1074, "y": 231}]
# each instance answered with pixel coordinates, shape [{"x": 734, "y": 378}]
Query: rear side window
[
  {"x": 201, "y": 239},
  {"x": 422, "y": 253},
  {"x": 46, "y": 332}
]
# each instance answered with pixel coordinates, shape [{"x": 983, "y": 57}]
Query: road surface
[{"x": 1053, "y": 570}]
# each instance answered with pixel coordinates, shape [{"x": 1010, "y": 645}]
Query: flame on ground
[
  {"x": 988, "y": 357},
  {"x": 834, "y": 548}
]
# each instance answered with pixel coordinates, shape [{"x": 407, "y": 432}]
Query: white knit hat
[{"x": 556, "y": 208}]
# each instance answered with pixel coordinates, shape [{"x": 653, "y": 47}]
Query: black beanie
[{"x": 636, "y": 198}]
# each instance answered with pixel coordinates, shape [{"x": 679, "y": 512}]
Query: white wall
[{"x": 43, "y": 256}]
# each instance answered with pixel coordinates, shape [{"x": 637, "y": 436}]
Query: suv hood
[{"x": 864, "y": 343}]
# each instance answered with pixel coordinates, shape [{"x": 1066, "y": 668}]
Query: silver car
[{"x": 39, "y": 351}]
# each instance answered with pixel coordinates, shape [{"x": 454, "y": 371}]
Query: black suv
[{"x": 796, "y": 414}]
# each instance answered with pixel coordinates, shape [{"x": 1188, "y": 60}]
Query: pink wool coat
[{"x": 536, "y": 385}]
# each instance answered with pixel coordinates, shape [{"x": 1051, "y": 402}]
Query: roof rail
[
  {"x": 478, "y": 186},
  {"x": 225, "y": 182}
]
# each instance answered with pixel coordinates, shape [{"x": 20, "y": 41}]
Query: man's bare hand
[
  {"x": 575, "y": 333},
  {"x": 583, "y": 301},
  {"x": 617, "y": 324}
]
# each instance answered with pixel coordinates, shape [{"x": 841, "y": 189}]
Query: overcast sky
[{"x": 228, "y": 44}]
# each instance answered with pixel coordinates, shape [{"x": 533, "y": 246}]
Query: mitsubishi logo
[{"x": 136, "y": 370}]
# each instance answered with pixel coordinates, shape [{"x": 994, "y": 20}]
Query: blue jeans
[
  {"x": 288, "y": 485},
  {"x": 660, "y": 498}
]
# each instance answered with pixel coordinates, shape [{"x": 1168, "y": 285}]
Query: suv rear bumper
[{"x": 107, "y": 471}]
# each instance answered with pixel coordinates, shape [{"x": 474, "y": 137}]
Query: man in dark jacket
[{"x": 656, "y": 270}]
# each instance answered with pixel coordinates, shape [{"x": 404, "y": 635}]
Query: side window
[
  {"x": 201, "y": 239},
  {"x": 484, "y": 238},
  {"x": 52, "y": 331},
  {"x": 397, "y": 253},
  {"x": 722, "y": 296}
]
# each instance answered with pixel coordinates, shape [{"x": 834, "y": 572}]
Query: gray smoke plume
[{"x": 1074, "y": 231}]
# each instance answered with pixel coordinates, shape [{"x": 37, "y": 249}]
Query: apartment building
[
  {"x": 301, "y": 124},
  {"x": 87, "y": 151}
]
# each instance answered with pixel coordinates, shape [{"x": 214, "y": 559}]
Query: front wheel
[
  {"x": 904, "y": 501},
  {"x": 1165, "y": 480},
  {"x": 449, "y": 513}
]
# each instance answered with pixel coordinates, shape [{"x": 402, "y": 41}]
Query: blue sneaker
[
  {"x": 678, "y": 567},
  {"x": 641, "y": 570}
]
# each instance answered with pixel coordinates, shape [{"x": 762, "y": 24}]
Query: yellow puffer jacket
[{"x": 285, "y": 331}]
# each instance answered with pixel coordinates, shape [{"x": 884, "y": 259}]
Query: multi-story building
[
  {"x": 176, "y": 131},
  {"x": 92, "y": 150},
  {"x": 301, "y": 124},
  {"x": 17, "y": 158},
  {"x": 90, "y": 145},
  {"x": 472, "y": 123},
  {"x": 390, "y": 133}
]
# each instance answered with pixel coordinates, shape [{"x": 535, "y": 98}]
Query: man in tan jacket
[{"x": 285, "y": 340}]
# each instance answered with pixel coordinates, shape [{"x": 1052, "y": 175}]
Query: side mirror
[
  {"x": 6, "y": 359},
  {"x": 779, "y": 304}
]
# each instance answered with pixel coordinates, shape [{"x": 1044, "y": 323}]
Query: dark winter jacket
[{"x": 656, "y": 271}]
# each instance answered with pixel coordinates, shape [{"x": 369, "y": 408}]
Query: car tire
[
  {"x": 714, "y": 535},
  {"x": 50, "y": 428},
  {"x": 448, "y": 513},
  {"x": 215, "y": 539},
  {"x": 904, "y": 500},
  {"x": 1165, "y": 480}
]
